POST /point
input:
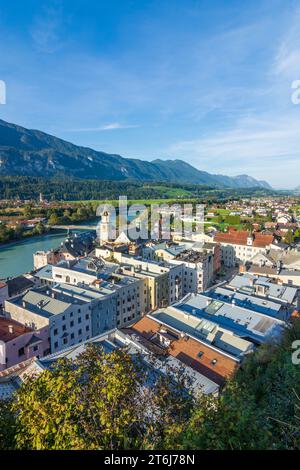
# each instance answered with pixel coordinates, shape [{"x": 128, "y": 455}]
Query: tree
[
  {"x": 259, "y": 408},
  {"x": 47, "y": 410},
  {"x": 39, "y": 229},
  {"x": 7, "y": 425},
  {"x": 289, "y": 238},
  {"x": 28, "y": 211},
  {"x": 54, "y": 219},
  {"x": 100, "y": 401}
]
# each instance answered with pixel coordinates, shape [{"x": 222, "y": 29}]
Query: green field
[{"x": 146, "y": 202}]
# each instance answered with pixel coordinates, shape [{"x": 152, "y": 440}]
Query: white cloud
[
  {"x": 262, "y": 147},
  {"x": 287, "y": 59},
  {"x": 107, "y": 127}
]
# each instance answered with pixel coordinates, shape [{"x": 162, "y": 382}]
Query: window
[
  {"x": 200, "y": 354},
  {"x": 21, "y": 352},
  {"x": 79, "y": 319},
  {"x": 55, "y": 332},
  {"x": 35, "y": 348},
  {"x": 65, "y": 340},
  {"x": 87, "y": 316},
  {"x": 80, "y": 331},
  {"x": 87, "y": 328},
  {"x": 72, "y": 335},
  {"x": 56, "y": 345},
  {"x": 64, "y": 327}
]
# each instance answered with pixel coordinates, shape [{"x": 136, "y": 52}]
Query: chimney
[{"x": 10, "y": 329}]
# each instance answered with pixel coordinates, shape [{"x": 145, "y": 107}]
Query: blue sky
[{"x": 208, "y": 82}]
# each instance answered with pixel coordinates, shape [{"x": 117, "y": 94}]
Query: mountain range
[{"x": 35, "y": 153}]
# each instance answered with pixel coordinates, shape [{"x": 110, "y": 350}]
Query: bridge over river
[{"x": 74, "y": 227}]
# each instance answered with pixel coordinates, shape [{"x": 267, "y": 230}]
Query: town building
[
  {"x": 73, "y": 247},
  {"x": 198, "y": 270},
  {"x": 3, "y": 294},
  {"x": 192, "y": 343},
  {"x": 258, "y": 299},
  {"x": 246, "y": 323},
  {"x": 68, "y": 319},
  {"x": 242, "y": 246},
  {"x": 163, "y": 281},
  {"x": 19, "y": 342}
]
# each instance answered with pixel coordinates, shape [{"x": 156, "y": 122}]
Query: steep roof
[
  {"x": 260, "y": 240},
  {"x": 11, "y": 329},
  {"x": 195, "y": 354},
  {"x": 18, "y": 284}
]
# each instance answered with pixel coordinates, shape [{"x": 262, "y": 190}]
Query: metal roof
[{"x": 241, "y": 321}]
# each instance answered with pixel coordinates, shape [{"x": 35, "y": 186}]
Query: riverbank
[{"x": 17, "y": 258}]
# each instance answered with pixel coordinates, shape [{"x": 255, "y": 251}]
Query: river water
[{"x": 17, "y": 258}]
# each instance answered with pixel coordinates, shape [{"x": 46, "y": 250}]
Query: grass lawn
[
  {"x": 222, "y": 211},
  {"x": 222, "y": 226}
]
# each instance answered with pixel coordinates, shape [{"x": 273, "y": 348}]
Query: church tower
[{"x": 104, "y": 228}]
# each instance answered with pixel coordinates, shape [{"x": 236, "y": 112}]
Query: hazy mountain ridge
[{"x": 35, "y": 153}]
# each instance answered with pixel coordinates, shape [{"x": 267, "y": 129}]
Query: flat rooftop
[
  {"x": 241, "y": 321},
  {"x": 192, "y": 256},
  {"x": 251, "y": 302},
  {"x": 41, "y": 302},
  {"x": 90, "y": 266},
  {"x": 281, "y": 293},
  {"x": 46, "y": 272},
  {"x": 204, "y": 359},
  {"x": 85, "y": 294},
  {"x": 204, "y": 330}
]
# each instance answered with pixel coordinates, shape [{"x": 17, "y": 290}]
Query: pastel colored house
[{"x": 19, "y": 343}]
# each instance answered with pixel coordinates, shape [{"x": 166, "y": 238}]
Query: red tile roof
[
  {"x": 17, "y": 329},
  {"x": 260, "y": 240},
  {"x": 187, "y": 351}
]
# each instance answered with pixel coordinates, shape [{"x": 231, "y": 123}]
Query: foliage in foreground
[
  {"x": 260, "y": 408},
  {"x": 100, "y": 402},
  {"x": 109, "y": 401}
]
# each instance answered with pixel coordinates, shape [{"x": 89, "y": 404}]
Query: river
[{"x": 17, "y": 257}]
